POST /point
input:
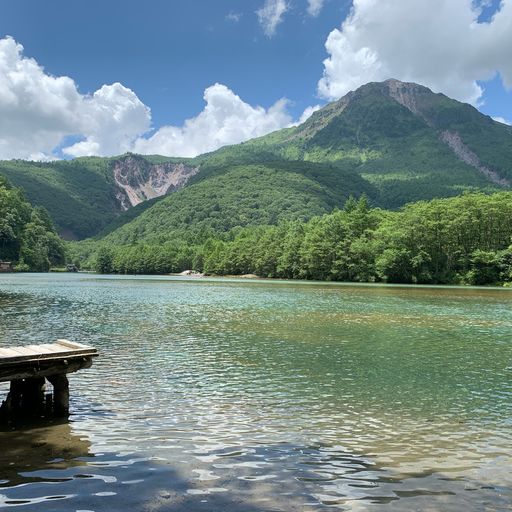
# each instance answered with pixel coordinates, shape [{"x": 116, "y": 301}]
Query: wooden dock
[{"x": 29, "y": 367}]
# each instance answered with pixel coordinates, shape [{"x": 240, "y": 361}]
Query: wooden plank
[
  {"x": 8, "y": 352},
  {"x": 73, "y": 344},
  {"x": 62, "y": 349},
  {"x": 51, "y": 347},
  {"x": 59, "y": 350},
  {"x": 41, "y": 349},
  {"x": 50, "y": 356},
  {"x": 20, "y": 351},
  {"x": 45, "y": 348},
  {"x": 25, "y": 351}
]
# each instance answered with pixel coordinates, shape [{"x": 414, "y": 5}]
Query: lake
[{"x": 237, "y": 395}]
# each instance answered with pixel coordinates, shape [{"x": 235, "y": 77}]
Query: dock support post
[
  {"x": 25, "y": 398},
  {"x": 60, "y": 385},
  {"x": 27, "y": 370},
  {"x": 32, "y": 402}
]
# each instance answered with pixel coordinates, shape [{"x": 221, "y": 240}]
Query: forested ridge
[
  {"x": 283, "y": 205},
  {"x": 243, "y": 195},
  {"x": 396, "y": 142},
  {"x": 81, "y": 195},
  {"x": 461, "y": 240}
]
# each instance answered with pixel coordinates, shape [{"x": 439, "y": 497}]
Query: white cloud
[
  {"x": 271, "y": 15},
  {"x": 234, "y": 16},
  {"x": 502, "y": 120},
  {"x": 437, "y": 43},
  {"x": 37, "y": 110},
  {"x": 314, "y": 7},
  {"x": 226, "y": 119},
  {"x": 308, "y": 112},
  {"x": 112, "y": 118}
]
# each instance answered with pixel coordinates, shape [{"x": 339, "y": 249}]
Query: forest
[
  {"x": 460, "y": 240},
  {"x": 27, "y": 235}
]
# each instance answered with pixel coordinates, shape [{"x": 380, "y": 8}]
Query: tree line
[{"x": 461, "y": 240}]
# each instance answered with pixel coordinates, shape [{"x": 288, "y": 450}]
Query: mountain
[
  {"x": 410, "y": 143},
  {"x": 84, "y": 195},
  {"x": 244, "y": 195},
  {"x": 396, "y": 142}
]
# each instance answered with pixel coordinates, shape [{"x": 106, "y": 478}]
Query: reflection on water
[
  {"x": 229, "y": 395},
  {"x": 29, "y": 448}
]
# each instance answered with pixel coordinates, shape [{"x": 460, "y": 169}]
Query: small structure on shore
[
  {"x": 191, "y": 273},
  {"x": 71, "y": 267},
  {"x": 27, "y": 368},
  {"x": 6, "y": 266}
]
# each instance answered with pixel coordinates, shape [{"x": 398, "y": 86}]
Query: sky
[{"x": 182, "y": 78}]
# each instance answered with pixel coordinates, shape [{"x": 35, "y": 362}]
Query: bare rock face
[
  {"x": 138, "y": 180},
  {"x": 456, "y": 144},
  {"x": 406, "y": 93}
]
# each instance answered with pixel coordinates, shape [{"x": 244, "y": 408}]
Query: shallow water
[{"x": 232, "y": 395}]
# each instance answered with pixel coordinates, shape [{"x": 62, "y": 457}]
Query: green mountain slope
[
  {"x": 409, "y": 142},
  {"x": 244, "y": 195},
  {"x": 84, "y": 195},
  {"x": 397, "y": 142},
  {"x": 77, "y": 194},
  {"x": 403, "y": 143}
]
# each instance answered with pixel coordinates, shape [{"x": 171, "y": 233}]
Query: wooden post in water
[
  {"x": 27, "y": 368},
  {"x": 25, "y": 398},
  {"x": 60, "y": 384}
]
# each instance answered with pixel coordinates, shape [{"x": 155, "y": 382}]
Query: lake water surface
[{"x": 232, "y": 395}]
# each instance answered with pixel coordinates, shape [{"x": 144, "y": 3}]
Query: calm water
[{"x": 255, "y": 396}]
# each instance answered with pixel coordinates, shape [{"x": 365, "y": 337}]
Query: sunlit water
[{"x": 255, "y": 396}]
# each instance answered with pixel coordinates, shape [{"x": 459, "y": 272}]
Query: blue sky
[{"x": 167, "y": 53}]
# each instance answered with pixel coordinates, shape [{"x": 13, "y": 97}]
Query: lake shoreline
[{"x": 254, "y": 277}]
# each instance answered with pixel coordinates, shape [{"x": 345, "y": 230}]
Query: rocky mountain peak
[{"x": 408, "y": 94}]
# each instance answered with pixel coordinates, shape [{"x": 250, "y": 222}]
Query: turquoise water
[{"x": 239, "y": 395}]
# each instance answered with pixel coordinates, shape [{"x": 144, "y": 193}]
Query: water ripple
[{"x": 228, "y": 395}]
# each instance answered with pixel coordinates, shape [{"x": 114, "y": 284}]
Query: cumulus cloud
[
  {"x": 226, "y": 119},
  {"x": 38, "y": 110},
  {"x": 271, "y": 15},
  {"x": 112, "y": 118},
  {"x": 314, "y": 7},
  {"x": 437, "y": 43},
  {"x": 308, "y": 112}
]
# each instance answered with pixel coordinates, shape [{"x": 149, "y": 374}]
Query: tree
[
  {"x": 104, "y": 260},
  {"x": 485, "y": 268}
]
